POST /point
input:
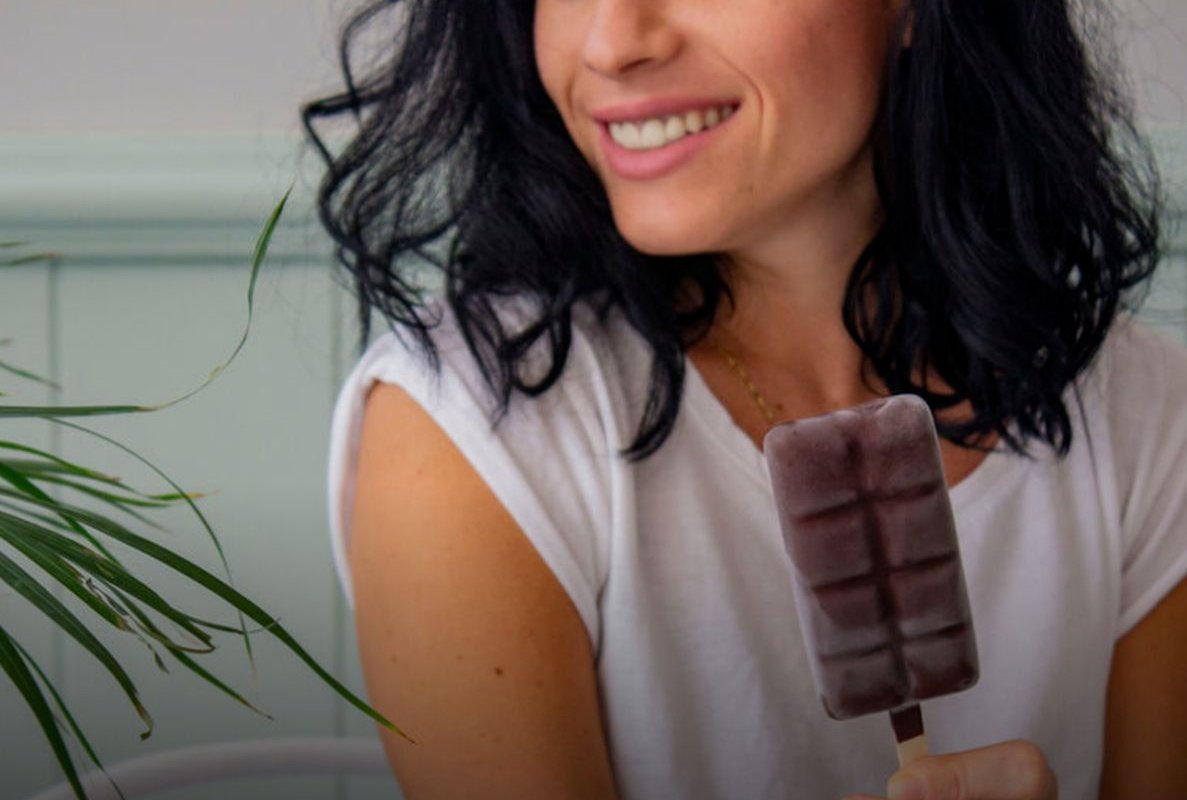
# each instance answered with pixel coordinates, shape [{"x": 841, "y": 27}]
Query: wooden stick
[{"x": 909, "y": 736}]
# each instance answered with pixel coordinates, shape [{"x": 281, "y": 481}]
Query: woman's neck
[{"x": 785, "y": 325}]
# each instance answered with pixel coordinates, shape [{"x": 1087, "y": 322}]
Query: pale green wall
[{"x": 147, "y": 294}]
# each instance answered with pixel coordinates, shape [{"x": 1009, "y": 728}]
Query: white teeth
[
  {"x": 648, "y": 134},
  {"x": 652, "y": 134},
  {"x": 626, "y": 135}
]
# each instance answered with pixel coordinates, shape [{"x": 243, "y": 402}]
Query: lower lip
[{"x": 642, "y": 165}]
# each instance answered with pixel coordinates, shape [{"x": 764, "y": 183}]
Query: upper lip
[{"x": 652, "y": 107}]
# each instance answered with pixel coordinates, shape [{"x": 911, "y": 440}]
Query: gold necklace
[{"x": 744, "y": 376}]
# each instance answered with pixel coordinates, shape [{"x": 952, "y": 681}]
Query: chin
[{"x": 666, "y": 237}]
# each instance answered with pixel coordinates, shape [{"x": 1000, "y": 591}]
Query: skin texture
[
  {"x": 805, "y": 76},
  {"x": 1147, "y": 707},
  {"x": 466, "y": 637},
  {"x": 785, "y": 189}
]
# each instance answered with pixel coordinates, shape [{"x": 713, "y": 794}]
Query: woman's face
[{"x": 718, "y": 125}]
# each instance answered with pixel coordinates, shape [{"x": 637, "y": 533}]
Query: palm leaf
[
  {"x": 7, "y": 411},
  {"x": 257, "y": 260},
  {"x": 129, "y": 505},
  {"x": 193, "y": 666},
  {"x": 103, "y": 567},
  {"x": 227, "y": 593},
  {"x": 61, "y": 463},
  {"x": 13, "y": 663},
  {"x": 23, "y": 583},
  {"x": 58, "y": 555},
  {"x": 27, "y": 375},
  {"x": 193, "y": 507},
  {"x": 50, "y": 468},
  {"x": 68, "y": 766},
  {"x": 66, "y": 576},
  {"x": 27, "y": 491},
  {"x": 65, "y": 541},
  {"x": 259, "y": 252}
]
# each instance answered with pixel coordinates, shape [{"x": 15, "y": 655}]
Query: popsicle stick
[{"x": 909, "y": 736}]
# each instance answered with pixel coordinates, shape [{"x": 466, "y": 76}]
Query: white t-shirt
[{"x": 677, "y": 567}]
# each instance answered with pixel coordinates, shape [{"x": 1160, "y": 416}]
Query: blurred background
[{"x": 144, "y": 143}]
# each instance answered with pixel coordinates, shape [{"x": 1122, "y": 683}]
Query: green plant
[{"x": 61, "y": 517}]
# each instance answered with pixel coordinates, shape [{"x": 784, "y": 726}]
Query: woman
[{"x": 616, "y": 240}]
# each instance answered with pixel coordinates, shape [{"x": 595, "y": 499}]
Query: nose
[{"x": 626, "y": 35}]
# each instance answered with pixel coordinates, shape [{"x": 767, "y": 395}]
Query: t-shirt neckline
[{"x": 738, "y": 447}]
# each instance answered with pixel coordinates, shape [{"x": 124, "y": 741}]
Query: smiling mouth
[{"x": 656, "y": 132}]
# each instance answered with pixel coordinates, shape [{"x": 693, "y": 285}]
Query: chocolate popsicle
[{"x": 880, "y": 593}]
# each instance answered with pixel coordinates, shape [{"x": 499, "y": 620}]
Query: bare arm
[
  {"x": 468, "y": 641},
  {"x": 1146, "y": 722}
]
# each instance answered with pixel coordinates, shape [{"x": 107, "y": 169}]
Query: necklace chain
[{"x": 744, "y": 376}]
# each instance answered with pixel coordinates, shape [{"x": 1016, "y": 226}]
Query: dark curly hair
[{"x": 1020, "y": 208}]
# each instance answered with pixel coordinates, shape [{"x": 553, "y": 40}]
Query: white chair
[{"x": 209, "y": 763}]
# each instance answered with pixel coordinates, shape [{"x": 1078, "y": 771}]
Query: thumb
[{"x": 1015, "y": 770}]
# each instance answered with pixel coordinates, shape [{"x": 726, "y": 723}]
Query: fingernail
[{"x": 906, "y": 787}]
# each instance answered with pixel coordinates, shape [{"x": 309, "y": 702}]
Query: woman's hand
[{"x": 1015, "y": 770}]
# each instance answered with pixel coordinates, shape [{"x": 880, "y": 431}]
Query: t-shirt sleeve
[
  {"x": 1148, "y": 390},
  {"x": 546, "y": 460}
]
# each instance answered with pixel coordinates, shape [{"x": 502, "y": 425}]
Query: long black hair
[{"x": 1021, "y": 208}]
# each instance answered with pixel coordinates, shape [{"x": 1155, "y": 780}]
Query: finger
[{"x": 1014, "y": 770}]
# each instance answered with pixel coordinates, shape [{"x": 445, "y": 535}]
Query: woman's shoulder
[
  {"x": 1129, "y": 429},
  {"x": 549, "y": 459},
  {"x": 602, "y": 362},
  {"x": 1142, "y": 383},
  {"x": 1129, "y": 410}
]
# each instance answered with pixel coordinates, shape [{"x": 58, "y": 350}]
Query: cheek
[
  {"x": 557, "y": 76},
  {"x": 833, "y": 89},
  {"x": 557, "y": 49}
]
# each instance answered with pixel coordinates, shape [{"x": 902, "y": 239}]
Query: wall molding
[
  {"x": 1170, "y": 147},
  {"x": 204, "y": 197},
  {"x": 160, "y": 199}
]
